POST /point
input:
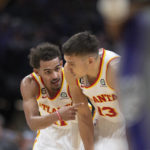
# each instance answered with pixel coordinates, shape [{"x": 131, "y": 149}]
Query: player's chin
[
  {"x": 78, "y": 76},
  {"x": 56, "y": 86}
]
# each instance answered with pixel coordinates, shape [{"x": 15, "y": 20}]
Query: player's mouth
[{"x": 55, "y": 82}]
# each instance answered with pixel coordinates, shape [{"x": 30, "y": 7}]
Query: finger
[
  {"x": 74, "y": 109},
  {"x": 78, "y": 105},
  {"x": 72, "y": 117},
  {"x": 73, "y": 113}
]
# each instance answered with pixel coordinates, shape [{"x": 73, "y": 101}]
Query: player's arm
[
  {"x": 112, "y": 73},
  {"x": 29, "y": 90},
  {"x": 85, "y": 121}
]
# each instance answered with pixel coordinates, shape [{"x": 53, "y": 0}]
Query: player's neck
[
  {"x": 52, "y": 93},
  {"x": 94, "y": 70}
]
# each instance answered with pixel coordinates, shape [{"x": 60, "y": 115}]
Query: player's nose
[{"x": 54, "y": 75}]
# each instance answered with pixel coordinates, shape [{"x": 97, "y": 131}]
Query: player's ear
[
  {"x": 36, "y": 71},
  {"x": 91, "y": 60},
  {"x": 61, "y": 62}
]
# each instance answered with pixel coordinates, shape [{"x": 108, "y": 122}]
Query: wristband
[{"x": 58, "y": 115}]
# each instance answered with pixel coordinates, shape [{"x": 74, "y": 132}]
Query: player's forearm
[
  {"x": 86, "y": 130},
  {"x": 41, "y": 122},
  {"x": 84, "y": 117}
]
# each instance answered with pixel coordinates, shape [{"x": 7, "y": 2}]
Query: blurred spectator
[
  {"x": 7, "y": 138},
  {"x": 3, "y": 3},
  {"x": 130, "y": 34},
  {"x": 25, "y": 140}
]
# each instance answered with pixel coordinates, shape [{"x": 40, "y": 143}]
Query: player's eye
[
  {"x": 72, "y": 65},
  {"x": 47, "y": 72}
]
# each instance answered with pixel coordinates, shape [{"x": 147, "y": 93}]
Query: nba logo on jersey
[
  {"x": 102, "y": 82},
  {"x": 63, "y": 94}
]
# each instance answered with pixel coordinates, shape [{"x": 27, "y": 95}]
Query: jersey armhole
[
  {"x": 34, "y": 78},
  {"x": 112, "y": 88}
]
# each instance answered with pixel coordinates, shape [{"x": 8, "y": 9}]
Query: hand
[{"x": 69, "y": 112}]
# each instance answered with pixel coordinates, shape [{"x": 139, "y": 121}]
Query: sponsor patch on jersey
[
  {"x": 43, "y": 91},
  {"x": 82, "y": 81},
  {"x": 102, "y": 82}
]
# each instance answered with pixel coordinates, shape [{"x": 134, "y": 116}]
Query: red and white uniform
[
  {"x": 60, "y": 135},
  {"x": 110, "y": 125}
]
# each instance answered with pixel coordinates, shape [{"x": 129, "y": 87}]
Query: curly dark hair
[
  {"x": 81, "y": 44},
  {"x": 44, "y": 51}
]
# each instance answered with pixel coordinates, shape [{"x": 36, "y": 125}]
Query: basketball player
[
  {"x": 46, "y": 102},
  {"x": 96, "y": 71}
]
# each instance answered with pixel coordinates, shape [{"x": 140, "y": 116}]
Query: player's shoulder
[
  {"x": 113, "y": 63},
  {"x": 113, "y": 66},
  {"x": 28, "y": 82},
  {"x": 112, "y": 59},
  {"x": 28, "y": 87}
]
